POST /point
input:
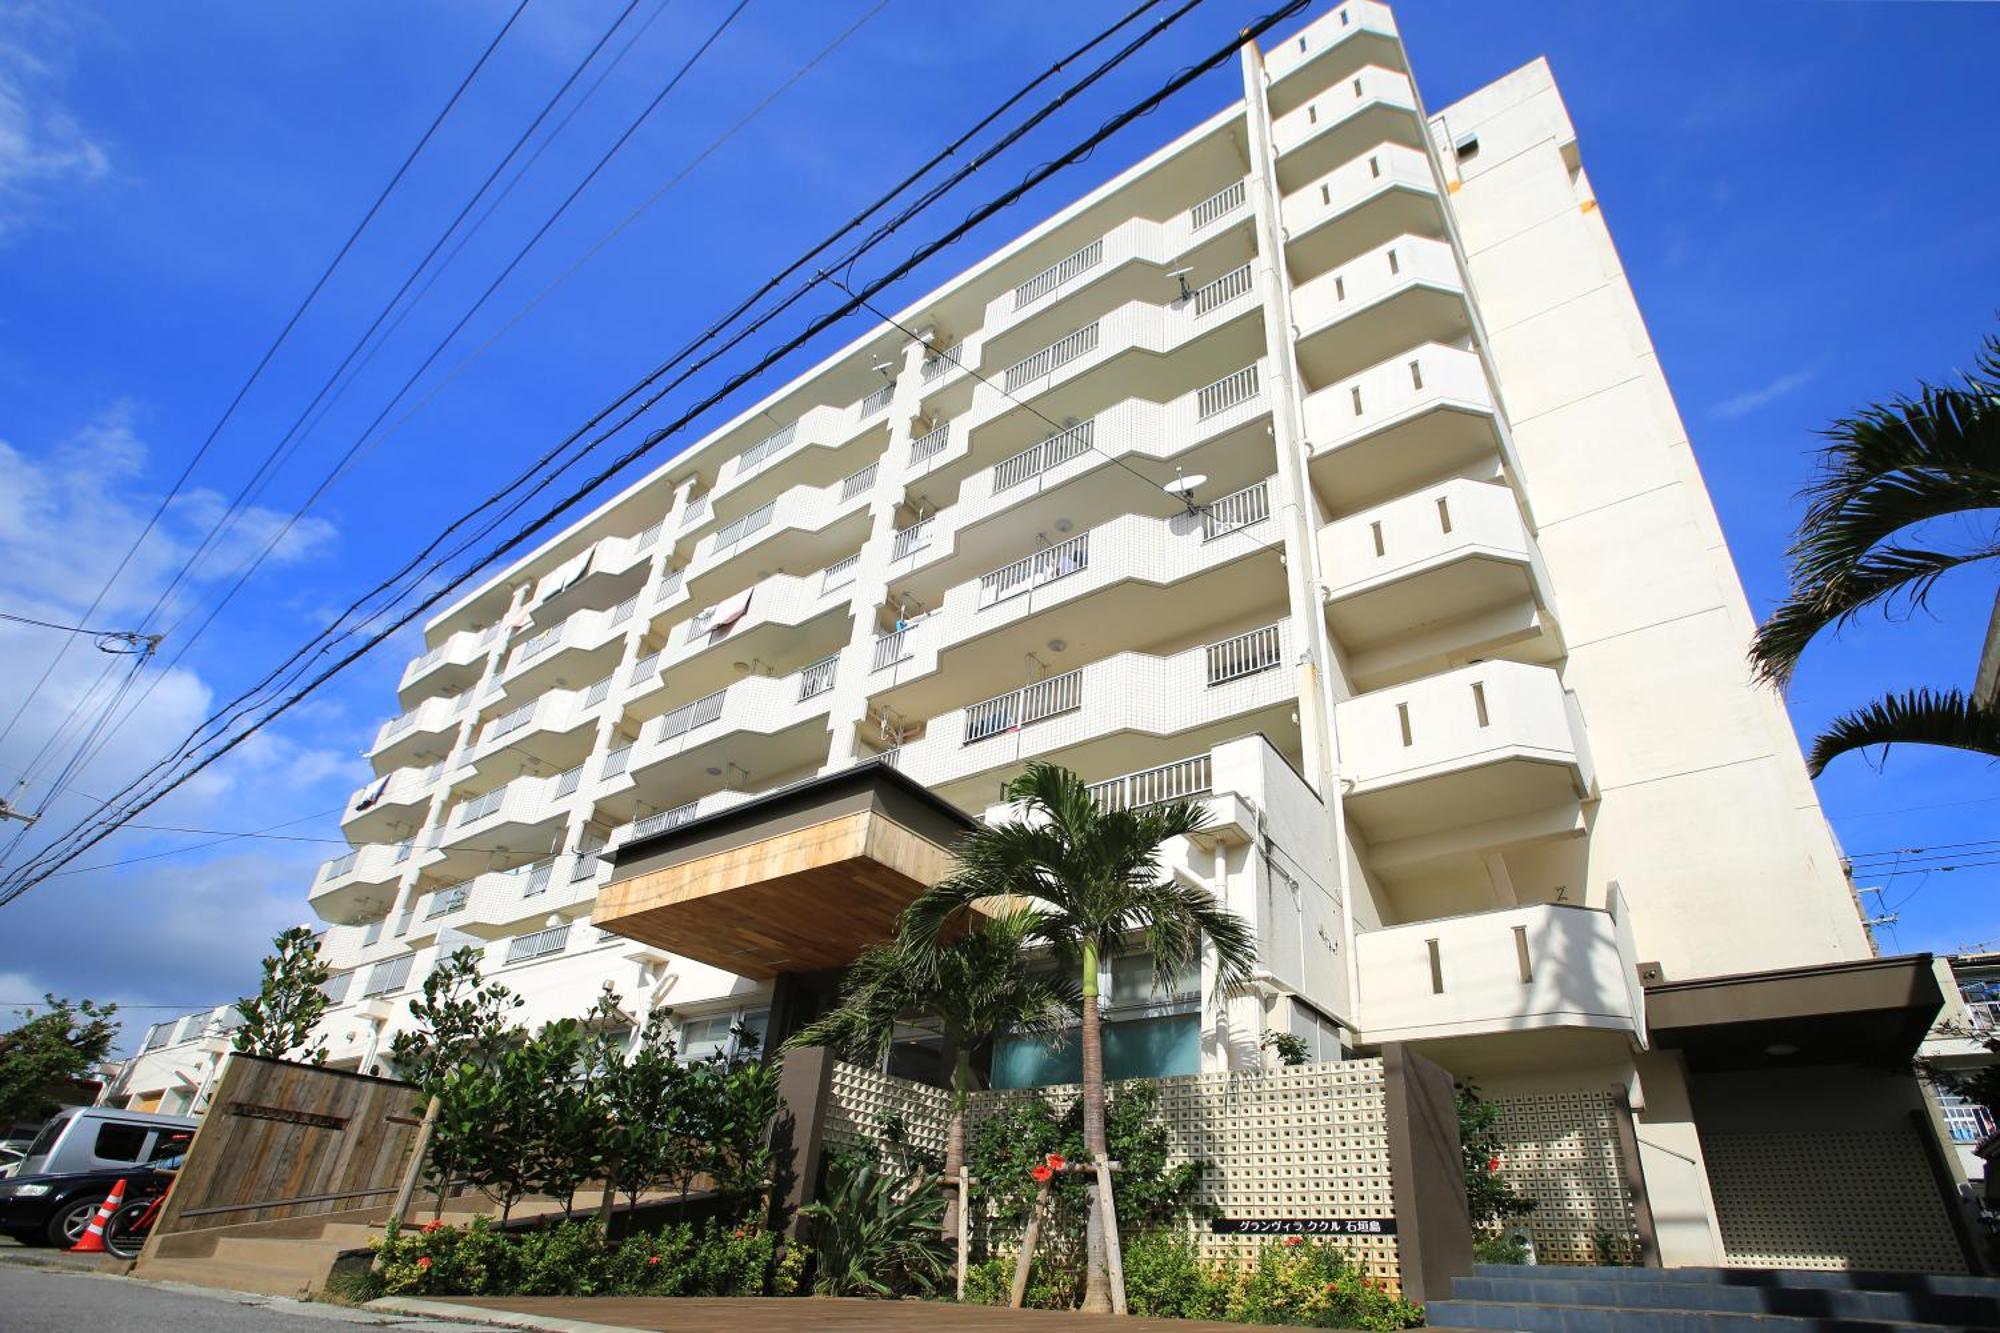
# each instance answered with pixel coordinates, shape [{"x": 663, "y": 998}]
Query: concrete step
[
  {"x": 229, "y": 1277},
  {"x": 1537, "y": 1318},
  {"x": 1823, "y": 1302},
  {"x": 1943, "y": 1284}
]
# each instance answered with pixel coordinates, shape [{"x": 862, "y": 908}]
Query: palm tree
[
  {"x": 1890, "y": 469},
  {"x": 973, "y": 986},
  {"x": 1094, "y": 880}
]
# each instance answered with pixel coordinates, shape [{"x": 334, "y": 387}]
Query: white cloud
[
  {"x": 1743, "y": 404},
  {"x": 43, "y": 147}
]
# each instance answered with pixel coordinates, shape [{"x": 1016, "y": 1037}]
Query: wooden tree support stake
[
  {"x": 1114, "y": 1256},
  {"x": 964, "y": 1228},
  {"x": 1028, "y": 1247}
]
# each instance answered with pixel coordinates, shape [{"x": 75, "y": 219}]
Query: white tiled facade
[{"x": 1453, "y": 645}]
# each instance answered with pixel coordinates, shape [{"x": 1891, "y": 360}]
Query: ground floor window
[
  {"x": 721, "y": 1033},
  {"x": 1149, "y": 1031}
]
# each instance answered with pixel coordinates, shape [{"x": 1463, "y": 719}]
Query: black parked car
[{"x": 56, "y": 1209}]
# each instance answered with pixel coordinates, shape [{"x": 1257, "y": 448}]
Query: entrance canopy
[
  {"x": 801, "y": 879},
  {"x": 1873, "y": 1011}
]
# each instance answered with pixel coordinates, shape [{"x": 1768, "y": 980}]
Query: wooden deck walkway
[{"x": 800, "y": 1314}]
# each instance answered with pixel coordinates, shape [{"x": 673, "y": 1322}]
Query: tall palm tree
[
  {"x": 974, "y": 986},
  {"x": 1094, "y": 880},
  {"x": 1892, "y": 468}
]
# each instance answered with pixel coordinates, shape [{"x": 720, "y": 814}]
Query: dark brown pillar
[
  {"x": 799, "y": 1132},
  {"x": 1433, "y": 1222}
]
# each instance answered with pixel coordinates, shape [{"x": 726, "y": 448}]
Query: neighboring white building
[
  {"x": 177, "y": 1064},
  {"x": 1453, "y": 646}
]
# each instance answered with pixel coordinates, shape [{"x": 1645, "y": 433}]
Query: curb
[{"x": 479, "y": 1314}]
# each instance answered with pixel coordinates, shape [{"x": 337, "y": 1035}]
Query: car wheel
[{"x": 69, "y": 1222}]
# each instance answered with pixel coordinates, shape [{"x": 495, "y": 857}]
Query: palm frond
[
  {"x": 1918, "y": 717},
  {"x": 1873, "y": 579}
]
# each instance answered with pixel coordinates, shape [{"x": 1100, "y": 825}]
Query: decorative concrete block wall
[
  {"x": 1562, "y": 1151},
  {"x": 861, "y": 1102}
]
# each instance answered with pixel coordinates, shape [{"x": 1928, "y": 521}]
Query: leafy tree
[
  {"x": 734, "y": 1098},
  {"x": 975, "y": 987},
  {"x": 281, "y": 1017},
  {"x": 566, "y": 1108},
  {"x": 42, "y": 1059},
  {"x": 1489, "y": 1198},
  {"x": 460, "y": 1016},
  {"x": 646, "y": 1110},
  {"x": 1884, "y": 521},
  {"x": 1094, "y": 880}
]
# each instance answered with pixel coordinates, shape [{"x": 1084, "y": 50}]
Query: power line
[
  {"x": 264, "y": 361},
  {"x": 70, "y": 629},
  {"x": 228, "y": 714},
  {"x": 82, "y": 840}
]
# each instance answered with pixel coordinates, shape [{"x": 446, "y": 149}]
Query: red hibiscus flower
[
  {"x": 1295, "y": 1240},
  {"x": 1493, "y": 1164},
  {"x": 435, "y": 1224},
  {"x": 653, "y": 1260},
  {"x": 1055, "y": 1161},
  {"x": 1041, "y": 1173},
  {"x": 424, "y": 1261}
]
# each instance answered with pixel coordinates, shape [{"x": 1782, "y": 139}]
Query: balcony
[
  {"x": 583, "y": 646},
  {"x": 782, "y": 618},
  {"x": 1395, "y": 297},
  {"x": 428, "y": 729},
  {"x": 1415, "y": 418},
  {"x": 805, "y": 527},
  {"x": 1370, "y": 107},
  {"x": 1357, "y": 34},
  {"x": 750, "y": 731},
  {"x": 1449, "y": 569},
  {"x": 1482, "y": 747},
  {"x": 1127, "y": 261},
  {"x": 1135, "y": 579},
  {"x": 394, "y": 802},
  {"x": 1386, "y": 193},
  {"x": 556, "y": 728},
  {"x": 455, "y": 664},
  {"x": 524, "y": 818},
  {"x": 1519, "y": 969},
  {"x": 814, "y": 449},
  {"x": 500, "y": 903},
  {"x": 1119, "y": 714},
  {"x": 597, "y": 578},
  {"x": 361, "y": 882},
  {"x": 1074, "y": 477}
]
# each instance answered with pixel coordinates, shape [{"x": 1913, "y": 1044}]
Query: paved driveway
[{"x": 43, "y": 1300}]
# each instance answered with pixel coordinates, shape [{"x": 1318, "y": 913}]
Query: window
[
  {"x": 716, "y": 1034},
  {"x": 171, "y": 1143},
  {"x": 1148, "y": 1032},
  {"x": 119, "y": 1143}
]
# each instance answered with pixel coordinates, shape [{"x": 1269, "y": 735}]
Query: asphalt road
[{"x": 39, "y": 1300}]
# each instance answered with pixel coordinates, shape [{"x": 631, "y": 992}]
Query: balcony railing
[
  {"x": 729, "y": 534},
  {"x": 938, "y": 362},
  {"x": 448, "y": 900},
  {"x": 534, "y": 647},
  {"x": 512, "y": 721},
  {"x": 568, "y": 782},
  {"x": 859, "y": 484},
  {"x": 1037, "y": 459},
  {"x": 644, "y": 541},
  {"x": 1239, "y": 509},
  {"x": 890, "y": 649},
  {"x": 1051, "y": 358},
  {"x": 697, "y": 510},
  {"x": 1244, "y": 655},
  {"x": 538, "y": 945},
  {"x": 389, "y": 975},
  {"x": 838, "y": 574},
  {"x": 670, "y": 583},
  {"x": 341, "y": 865},
  {"x": 1214, "y": 295},
  {"x": 689, "y": 716},
  {"x": 1044, "y": 566},
  {"x": 476, "y": 809},
  {"x": 373, "y": 934},
  {"x": 913, "y": 538},
  {"x": 1218, "y": 205},
  {"x": 768, "y": 447},
  {"x": 1151, "y": 786},
  {"x": 614, "y": 763},
  {"x": 646, "y": 667},
  {"x": 818, "y": 678},
  {"x": 929, "y": 443},
  {"x": 663, "y": 820},
  {"x": 877, "y": 401},
  {"x": 1055, "y": 275},
  {"x": 1229, "y": 391},
  {"x": 1017, "y": 708}
]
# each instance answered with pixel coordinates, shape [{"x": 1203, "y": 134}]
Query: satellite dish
[{"x": 1184, "y": 486}]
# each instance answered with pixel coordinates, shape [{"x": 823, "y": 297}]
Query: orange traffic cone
[{"x": 92, "y": 1241}]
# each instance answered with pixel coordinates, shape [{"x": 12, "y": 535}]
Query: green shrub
[
  {"x": 876, "y": 1232},
  {"x": 1165, "y": 1278},
  {"x": 573, "y": 1259},
  {"x": 990, "y": 1282},
  {"x": 1498, "y": 1248}
]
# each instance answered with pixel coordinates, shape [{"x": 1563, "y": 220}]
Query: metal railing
[
  {"x": 838, "y": 574},
  {"x": 646, "y": 667},
  {"x": 512, "y": 721},
  {"x": 1231, "y": 390},
  {"x": 1044, "y": 566},
  {"x": 938, "y": 362},
  {"x": 1244, "y": 655},
  {"x": 818, "y": 678},
  {"x": 877, "y": 401},
  {"x": 623, "y": 611},
  {"x": 929, "y": 443},
  {"x": 1017, "y": 708},
  {"x": 858, "y": 484},
  {"x": 398, "y": 725},
  {"x": 1220, "y": 204},
  {"x": 373, "y": 933},
  {"x": 586, "y": 864},
  {"x": 340, "y": 865},
  {"x": 1037, "y": 459},
  {"x": 689, "y": 716},
  {"x": 538, "y": 879},
  {"x": 448, "y": 900},
  {"x": 768, "y": 447},
  {"x": 1056, "y": 274},
  {"x": 534, "y": 647},
  {"x": 538, "y": 945},
  {"x": 913, "y": 538},
  {"x": 1150, "y": 786},
  {"x": 890, "y": 649},
  {"x": 697, "y": 510},
  {"x": 597, "y": 693},
  {"x": 409, "y": 845},
  {"x": 614, "y": 763},
  {"x": 389, "y": 975},
  {"x": 1214, "y": 295},
  {"x": 479, "y": 807},
  {"x": 644, "y": 541},
  {"x": 663, "y": 820},
  {"x": 1239, "y": 509},
  {"x": 670, "y": 583},
  {"x": 568, "y": 781},
  {"x": 427, "y": 661},
  {"x": 1051, "y": 358},
  {"x": 729, "y": 534}
]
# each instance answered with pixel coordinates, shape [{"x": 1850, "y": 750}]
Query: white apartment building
[
  {"x": 1449, "y": 640},
  {"x": 177, "y": 1065}
]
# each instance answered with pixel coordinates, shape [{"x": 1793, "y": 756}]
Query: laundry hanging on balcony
[
  {"x": 729, "y": 612},
  {"x": 372, "y": 793}
]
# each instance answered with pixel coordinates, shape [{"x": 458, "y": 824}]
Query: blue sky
[{"x": 1787, "y": 185}]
